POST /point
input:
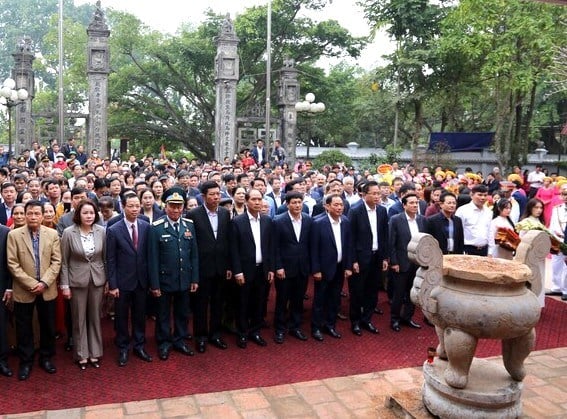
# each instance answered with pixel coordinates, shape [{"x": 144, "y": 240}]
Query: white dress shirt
[{"x": 336, "y": 227}]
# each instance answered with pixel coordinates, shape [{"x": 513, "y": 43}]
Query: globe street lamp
[
  {"x": 11, "y": 97},
  {"x": 310, "y": 108}
]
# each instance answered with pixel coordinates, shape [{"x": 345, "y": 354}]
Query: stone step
[{"x": 407, "y": 404}]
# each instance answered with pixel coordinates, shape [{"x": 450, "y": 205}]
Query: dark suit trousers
[
  {"x": 250, "y": 303},
  {"x": 180, "y": 302},
  {"x": 4, "y": 348},
  {"x": 24, "y": 329},
  {"x": 289, "y": 297},
  {"x": 130, "y": 305},
  {"x": 327, "y": 300},
  {"x": 209, "y": 298},
  {"x": 402, "y": 307},
  {"x": 363, "y": 290}
]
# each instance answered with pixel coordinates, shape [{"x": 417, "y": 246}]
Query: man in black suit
[
  {"x": 292, "y": 231},
  {"x": 252, "y": 257},
  {"x": 127, "y": 267},
  {"x": 212, "y": 226},
  {"x": 8, "y": 191},
  {"x": 259, "y": 153},
  {"x": 331, "y": 263},
  {"x": 6, "y": 295},
  {"x": 401, "y": 229},
  {"x": 398, "y": 208},
  {"x": 446, "y": 227},
  {"x": 369, "y": 226}
]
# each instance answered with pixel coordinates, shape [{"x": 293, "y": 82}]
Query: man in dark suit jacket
[
  {"x": 446, "y": 227},
  {"x": 292, "y": 234},
  {"x": 331, "y": 263},
  {"x": 173, "y": 264},
  {"x": 401, "y": 229},
  {"x": 6, "y": 298},
  {"x": 252, "y": 256},
  {"x": 9, "y": 197},
  {"x": 259, "y": 153},
  {"x": 212, "y": 226},
  {"x": 369, "y": 226},
  {"x": 398, "y": 208},
  {"x": 126, "y": 264}
]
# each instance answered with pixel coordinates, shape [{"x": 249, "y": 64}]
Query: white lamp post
[
  {"x": 11, "y": 97},
  {"x": 310, "y": 108}
]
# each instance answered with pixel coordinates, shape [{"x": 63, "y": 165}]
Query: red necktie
[{"x": 134, "y": 236}]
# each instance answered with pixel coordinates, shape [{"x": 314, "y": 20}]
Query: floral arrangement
[{"x": 531, "y": 224}]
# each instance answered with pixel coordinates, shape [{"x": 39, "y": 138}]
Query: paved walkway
[{"x": 357, "y": 396}]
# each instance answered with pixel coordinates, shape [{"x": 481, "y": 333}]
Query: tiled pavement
[{"x": 358, "y": 396}]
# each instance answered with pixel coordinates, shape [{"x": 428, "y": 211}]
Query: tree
[
  {"x": 331, "y": 157},
  {"x": 510, "y": 46}
]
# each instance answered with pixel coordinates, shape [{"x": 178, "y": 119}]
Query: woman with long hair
[
  {"x": 157, "y": 188},
  {"x": 149, "y": 207},
  {"x": 500, "y": 221},
  {"x": 83, "y": 280}
]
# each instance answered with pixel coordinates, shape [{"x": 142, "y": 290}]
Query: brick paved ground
[{"x": 357, "y": 396}]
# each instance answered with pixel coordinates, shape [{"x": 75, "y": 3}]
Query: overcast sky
[{"x": 167, "y": 15}]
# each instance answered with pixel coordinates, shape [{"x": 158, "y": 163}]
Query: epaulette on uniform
[
  {"x": 158, "y": 222},
  {"x": 187, "y": 219}
]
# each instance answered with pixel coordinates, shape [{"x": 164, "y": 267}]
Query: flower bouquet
[{"x": 557, "y": 246}]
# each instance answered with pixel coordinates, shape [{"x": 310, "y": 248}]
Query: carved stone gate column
[
  {"x": 226, "y": 78},
  {"x": 23, "y": 74},
  {"x": 288, "y": 94},
  {"x": 98, "y": 68}
]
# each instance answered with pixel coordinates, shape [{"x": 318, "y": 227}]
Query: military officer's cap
[{"x": 174, "y": 195}]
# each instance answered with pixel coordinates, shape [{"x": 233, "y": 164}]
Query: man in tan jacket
[{"x": 34, "y": 260}]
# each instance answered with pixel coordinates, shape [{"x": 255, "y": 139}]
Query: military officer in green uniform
[{"x": 174, "y": 273}]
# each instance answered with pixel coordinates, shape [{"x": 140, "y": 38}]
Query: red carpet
[{"x": 235, "y": 368}]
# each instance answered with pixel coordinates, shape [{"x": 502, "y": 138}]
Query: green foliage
[{"x": 331, "y": 157}]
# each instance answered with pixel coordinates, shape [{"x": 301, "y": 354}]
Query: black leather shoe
[
  {"x": 24, "y": 372},
  {"x": 47, "y": 366},
  {"x": 317, "y": 335},
  {"x": 279, "y": 337},
  {"x": 164, "y": 354},
  {"x": 297, "y": 333},
  {"x": 143, "y": 355},
  {"x": 563, "y": 297},
  {"x": 5, "y": 370},
  {"x": 356, "y": 330},
  {"x": 396, "y": 326},
  {"x": 95, "y": 363},
  {"x": 412, "y": 324},
  {"x": 370, "y": 327},
  {"x": 242, "y": 342},
  {"x": 82, "y": 365},
  {"x": 331, "y": 331},
  {"x": 69, "y": 345},
  {"x": 258, "y": 340},
  {"x": 184, "y": 349},
  {"x": 201, "y": 346},
  {"x": 123, "y": 358},
  {"x": 219, "y": 343},
  {"x": 342, "y": 316},
  {"x": 378, "y": 310}
]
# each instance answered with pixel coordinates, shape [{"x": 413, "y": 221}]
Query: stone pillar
[
  {"x": 98, "y": 68},
  {"x": 23, "y": 74},
  {"x": 288, "y": 94},
  {"x": 226, "y": 78}
]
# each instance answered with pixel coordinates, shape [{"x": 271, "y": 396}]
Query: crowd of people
[{"x": 202, "y": 243}]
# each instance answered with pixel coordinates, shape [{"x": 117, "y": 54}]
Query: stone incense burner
[{"x": 472, "y": 297}]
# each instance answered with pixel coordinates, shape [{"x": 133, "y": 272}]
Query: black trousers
[
  {"x": 289, "y": 299},
  {"x": 402, "y": 308},
  {"x": 179, "y": 300},
  {"x": 207, "y": 305},
  {"x": 327, "y": 300},
  {"x": 250, "y": 303},
  {"x": 4, "y": 348},
  {"x": 363, "y": 289},
  {"x": 130, "y": 305},
  {"x": 24, "y": 329},
  {"x": 477, "y": 251}
]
